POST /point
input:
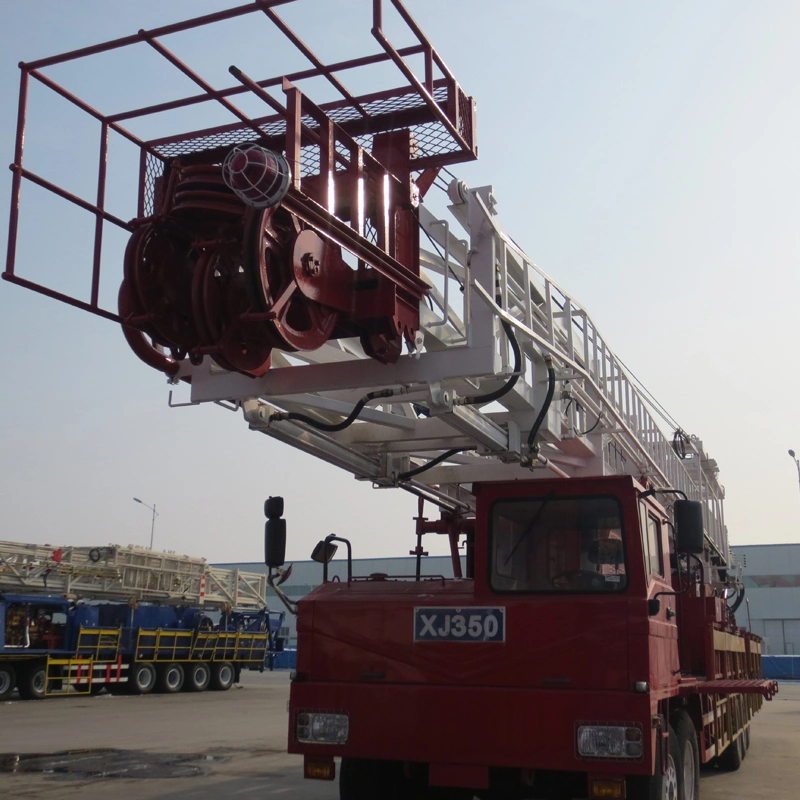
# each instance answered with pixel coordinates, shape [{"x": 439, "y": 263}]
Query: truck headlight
[
  {"x": 318, "y": 728},
  {"x": 610, "y": 741}
]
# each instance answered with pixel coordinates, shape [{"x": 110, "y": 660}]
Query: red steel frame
[{"x": 431, "y": 101}]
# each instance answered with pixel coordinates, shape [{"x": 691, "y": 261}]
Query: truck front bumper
[{"x": 531, "y": 729}]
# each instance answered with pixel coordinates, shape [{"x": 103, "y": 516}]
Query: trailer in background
[{"x": 78, "y": 620}]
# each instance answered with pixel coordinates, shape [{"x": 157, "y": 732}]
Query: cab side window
[
  {"x": 651, "y": 542},
  {"x": 656, "y": 566}
]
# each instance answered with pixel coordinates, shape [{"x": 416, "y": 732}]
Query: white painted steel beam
[{"x": 464, "y": 352}]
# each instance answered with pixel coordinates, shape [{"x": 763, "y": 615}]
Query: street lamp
[
  {"x": 153, "y": 523},
  {"x": 796, "y": 463}
]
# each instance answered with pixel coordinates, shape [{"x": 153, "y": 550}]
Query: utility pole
[
  {"x": 797, "y": 464},
  {"x": 155, "y": 514}
]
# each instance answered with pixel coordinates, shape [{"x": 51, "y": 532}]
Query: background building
[
  {"x": 307, "y": 575},
  {"x": 771, "y": 579},
  {"x": 772, "y": 592}
]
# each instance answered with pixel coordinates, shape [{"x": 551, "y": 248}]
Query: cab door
[{"x": 663, "y": 626}]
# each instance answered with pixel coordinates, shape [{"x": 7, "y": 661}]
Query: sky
[{"x": 643, "y": 154}]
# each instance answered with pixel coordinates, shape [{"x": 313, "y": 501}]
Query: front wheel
[
  {"x": 8, "y": 680},
  {"x": 690, "y": 755},
  {"x": 667, "y": 786}
]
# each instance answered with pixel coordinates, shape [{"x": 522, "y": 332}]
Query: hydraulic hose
[
  {"x": 509, "y": 385},
  {"x": 551, "y": 387},
  {"x": 332, "y": 427},
  {"x": 738, "y": 602},
  {"x": 404, "y": 476}
]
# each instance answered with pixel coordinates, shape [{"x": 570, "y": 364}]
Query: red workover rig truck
[{"x": 284, "y": 264}]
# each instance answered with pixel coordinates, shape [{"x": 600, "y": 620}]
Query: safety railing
[
  {"x": 178, "y": 645},
  {"x": 164, "y": 645},
  {"x": 99, "y": 643},
  {"x": 68, "y": 676}
]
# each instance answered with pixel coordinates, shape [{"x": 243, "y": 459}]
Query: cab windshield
[{"x": 557, "y": 544}]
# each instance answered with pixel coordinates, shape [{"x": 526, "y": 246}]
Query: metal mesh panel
[
  {"x": 386, "y": 105},
  {"x": 219, "y": 139},
  {"x": 464, "y": 116},
  {"x": 370, "y": 231},
  {"x": 432, "y": 137},
  {"x": 309, "y": 161},
  {"x": 345, "y": 151},
  {"x": 242, "y": 134},
  {"x": 154, "y": 168}
]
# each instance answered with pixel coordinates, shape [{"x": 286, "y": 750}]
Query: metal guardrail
[{"x": 167, "y": 645}]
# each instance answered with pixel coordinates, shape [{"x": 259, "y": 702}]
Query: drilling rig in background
[
  {"x": 293, "y": 265},
  {"x": 77, "y": 620}
]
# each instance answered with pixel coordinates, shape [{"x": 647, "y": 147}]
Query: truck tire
[
  {"x": 366, "y": 779},
  {"x": 690, "y": 754},
  {"x": 8, "y": 680},
  {"x": 141, "y": 678},
  {"x": 732, "y": 755},
  {"x": 198, "y": 677},
  {"x": 222, "y": 675},
  {"x": 169, "y": 678},
  {"x": 658, "y": 786},
  {"x": 32, "y": 681}
]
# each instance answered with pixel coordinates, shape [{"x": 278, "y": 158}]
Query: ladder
[
  {"x": 128, "y": 574},
  {"x": 599, "y": 422}
]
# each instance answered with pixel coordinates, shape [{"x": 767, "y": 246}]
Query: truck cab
[{"x": 545, "y": 664}]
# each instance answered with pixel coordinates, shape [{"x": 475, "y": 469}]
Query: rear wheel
[
  {"x": 222, "y": 675},
  {"x": 169, "y": 678},
  {"x": 690, "y": 755},
  {"x": 141, "y": 678},
  {"x": 668, "y": 786},
  {"x": 732, "y": 755},
  {"x": 8, "y": 680},
  {"x": 198, "y": 677},
  {"x": 32, "y": 682}
]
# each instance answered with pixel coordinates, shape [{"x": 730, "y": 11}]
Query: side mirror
[
  {"x": 689, "y": 536},
  {"x": 653, "y": 606},
  {"x": 324, "y": 552},
  {"x": 274, "y": 533}
]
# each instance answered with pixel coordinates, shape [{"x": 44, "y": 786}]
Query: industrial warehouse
[{"x": 771, "y": 577}]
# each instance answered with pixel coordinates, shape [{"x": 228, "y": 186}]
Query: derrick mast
[{"x": 286, "y": 262}]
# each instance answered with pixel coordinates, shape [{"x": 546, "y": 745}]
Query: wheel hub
[
  {"x": 670, "y": 790},
  {"x": 688, "y": 772}
]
